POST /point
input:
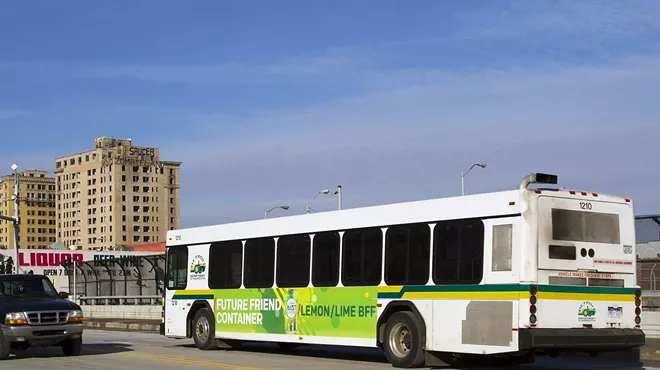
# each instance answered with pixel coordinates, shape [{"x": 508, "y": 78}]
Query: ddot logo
[
  {"x": 197, "y": 268},
  {"x": 587, "y": 312}
]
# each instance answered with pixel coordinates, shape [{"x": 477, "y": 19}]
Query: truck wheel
[
  {"x": 72, "y": 347},
  {"x": 5, "y": 347},
  {"x": 204, "y": 330},
  {"x": 404, "y": 340}
]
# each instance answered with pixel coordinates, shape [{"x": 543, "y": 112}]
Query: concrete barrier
[
  {"x": 128, "y": 325},
  {"x": 651, "y": 324},
  {"x": 130, "y": 312}
]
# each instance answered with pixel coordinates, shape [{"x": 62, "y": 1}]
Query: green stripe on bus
[
  {"x": 466, "y": 288},
  {"x": 584, "y": 289},
  {"x": 454, "y": 289}
]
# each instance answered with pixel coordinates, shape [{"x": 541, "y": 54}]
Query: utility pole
[
  {"x": 73, "y": 263},
  {"x": 15, "y": 220},
  {"x": 339, "y": 200},
  {"x": 16, "y": 213}
]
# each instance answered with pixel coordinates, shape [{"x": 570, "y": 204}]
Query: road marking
[{"x": 189, "y": 362}]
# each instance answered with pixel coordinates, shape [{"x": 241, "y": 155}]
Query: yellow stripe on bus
[
  {"x": 518, "y": 295},
  {"x": 193, "y": 292},
  {"x": 389, "y": 289}
]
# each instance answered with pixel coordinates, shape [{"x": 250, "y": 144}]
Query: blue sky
[{"x": 267, "y": 103}]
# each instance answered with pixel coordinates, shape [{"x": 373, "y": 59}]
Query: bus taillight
[
  {"x": 638, "y": 308},
  {"x": 532, "y": 305}
]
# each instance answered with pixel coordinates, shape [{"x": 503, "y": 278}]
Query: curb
[
  {"x": 122, "y": 326},
  {"x": 649, "y": 355}
]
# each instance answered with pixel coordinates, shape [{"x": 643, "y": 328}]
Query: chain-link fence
[
  {"x": 647, "y": 229},
  {"x": 138, "y": 279}
]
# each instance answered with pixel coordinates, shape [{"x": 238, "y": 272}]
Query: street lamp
[
  {"x": 286, "y": 208},
  {"x": 324, "y": 192},
  {"x": 14, "y": 167},
  {"x": 482, "y": 165}
]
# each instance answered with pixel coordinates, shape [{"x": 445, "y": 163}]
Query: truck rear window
[{"x": 589, "y": 227}]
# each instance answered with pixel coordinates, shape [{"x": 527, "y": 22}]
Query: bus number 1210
[{"x": 585, "y": 205}]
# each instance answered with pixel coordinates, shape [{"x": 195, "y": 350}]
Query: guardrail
[{"x": 121, "y": 300}]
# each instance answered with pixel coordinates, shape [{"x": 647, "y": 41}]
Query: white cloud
[
  {"x": 6, "y": 114},
  {"x": 291, "y": 70},
  {"x": 604, "y": 19}
]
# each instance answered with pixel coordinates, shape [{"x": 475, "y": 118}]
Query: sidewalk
[
  {"x": 124, "y": 324},
  {"x": 651, "y": 351}
]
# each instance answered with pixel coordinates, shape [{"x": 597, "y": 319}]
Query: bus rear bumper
[{"x": 578, "y": 339}]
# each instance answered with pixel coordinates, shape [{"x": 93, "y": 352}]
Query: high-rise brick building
[{"x": 116, "y": 194}]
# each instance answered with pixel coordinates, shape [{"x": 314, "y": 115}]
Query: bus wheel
[
  {"x": 404, "y": 341},
  {"x": 204, "y": 330}
]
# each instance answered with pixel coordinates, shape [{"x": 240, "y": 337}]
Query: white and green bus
[{"x": 513, "y": 274}]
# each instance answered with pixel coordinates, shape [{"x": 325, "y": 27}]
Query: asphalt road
[{"x": 115, "y": 350}]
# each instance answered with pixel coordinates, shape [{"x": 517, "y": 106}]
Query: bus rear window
[{"x": 589, "y": 227}]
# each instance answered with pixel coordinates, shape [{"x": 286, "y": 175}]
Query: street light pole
[
  {"x": 14, "y": 167},
  {"x": 276, "y": 207},
  {"x": 482, "y": 165},
  {"x": 324, "y": 192}
]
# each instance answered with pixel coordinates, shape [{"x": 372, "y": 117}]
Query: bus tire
[
  {"x": 404, "y": 340},
  {"x": 203, "y": 330}
]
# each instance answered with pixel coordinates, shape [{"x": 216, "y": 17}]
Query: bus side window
[
  {"x": 362, "y": 256},
  {"x": 225, "y": 264},
  {"x": 502, "y": 245},
  {"x": 325, "y": 259},
  {"x": 407, "y": 254},
  {"x": 177, "y": 263},
  {"x": 458, "y": 252}
]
